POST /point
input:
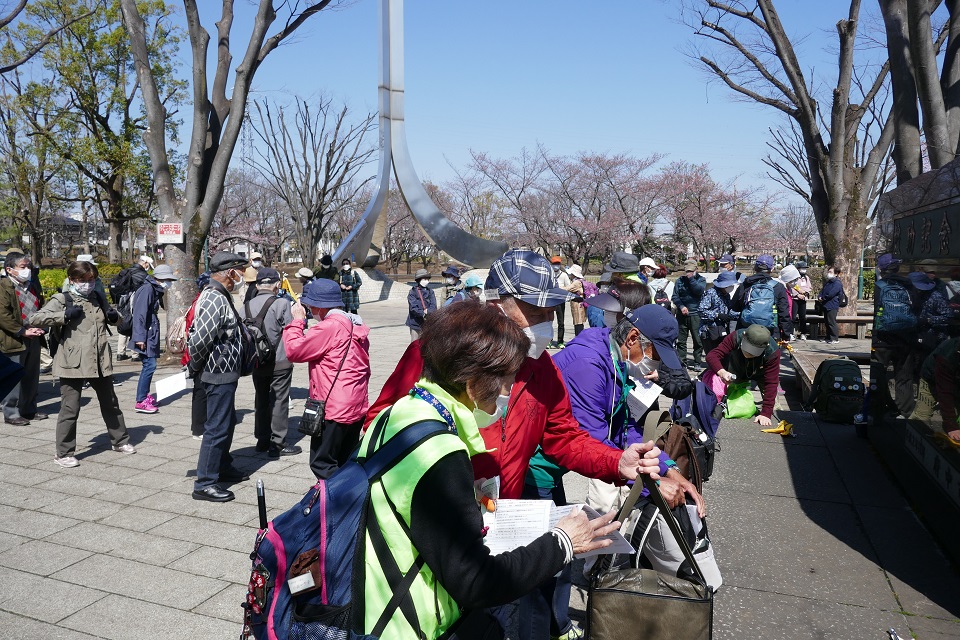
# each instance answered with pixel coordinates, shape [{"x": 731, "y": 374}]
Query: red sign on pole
[{"x": 169, "y": 233}]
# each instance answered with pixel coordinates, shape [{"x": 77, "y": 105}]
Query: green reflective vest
[{"x": 435, "y": 609}]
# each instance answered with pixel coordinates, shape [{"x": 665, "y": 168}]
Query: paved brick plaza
[{"x": 812, "y": 536}]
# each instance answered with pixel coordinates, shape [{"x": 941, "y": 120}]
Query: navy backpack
[{"x": 324, "y": 533}]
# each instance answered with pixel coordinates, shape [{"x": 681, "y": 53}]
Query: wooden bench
[
  {"x": 816, "y": 321},
  {"x": 806, "y": 364}
]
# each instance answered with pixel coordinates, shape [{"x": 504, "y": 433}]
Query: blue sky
[{"x": 499, "y": 75}]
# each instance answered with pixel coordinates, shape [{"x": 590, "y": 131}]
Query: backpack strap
[
  {"x": 399, "y": 446},
  {"x": 258, "y": 320}
]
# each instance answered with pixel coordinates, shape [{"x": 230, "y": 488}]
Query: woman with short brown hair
[
  {"x": 79, "y": 317},
  {"x": 425, "y": 506}
]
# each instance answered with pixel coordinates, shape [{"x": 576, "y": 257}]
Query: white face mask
[
  {"x": 238, "y": 280},
  {"x": 423, "y": 282},
  {"x": 540, "y": 336},
  {"x": 82, "y": 288},
  {"x": 485, "y": 419},
  {"x": 23, "y": 275},
  {"x": 257, "y": 264},
  {"x": 830, "y": 276},
  {"x": 451, "y": 280},
  {"x": 637, "y": 370},
  {"x": 346, "y": 267},
  {"x": 610, "y": 319}
]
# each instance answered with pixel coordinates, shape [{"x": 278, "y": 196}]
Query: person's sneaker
[
  {"x": 117, "y": 383},
  {"x": 125, "y": 448},
  {"x": 803, "y": 336},
  {"x": 833, "y": 342},
  {"x": 67, "y": 461},
  {"x": 573, "y": 633},
  {"x": 199, "y": 437},
  {"x": 145, "y": 406},
  {"x": 122, "y": 356}
]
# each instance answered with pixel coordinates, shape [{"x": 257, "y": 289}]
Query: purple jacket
[{"x": 596, "y": 387}]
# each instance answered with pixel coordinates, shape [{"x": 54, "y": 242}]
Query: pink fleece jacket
[{"x": 322, "y": 347}]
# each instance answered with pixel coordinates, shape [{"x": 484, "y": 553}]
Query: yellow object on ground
[{"x": 784, "y": 428}]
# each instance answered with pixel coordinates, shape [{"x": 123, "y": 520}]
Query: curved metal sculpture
[{"x": 365, "y": 241}]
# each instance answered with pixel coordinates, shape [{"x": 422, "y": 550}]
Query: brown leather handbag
[
  {"x": 643, "y": 604},
  {"x": 677, "y": 440}
]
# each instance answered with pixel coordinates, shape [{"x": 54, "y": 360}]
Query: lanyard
[
  {"x": 622, "y": 376},
  {"x": 429, "y": 398}
]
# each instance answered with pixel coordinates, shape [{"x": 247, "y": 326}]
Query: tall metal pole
[{"x": 447, "y": 236}]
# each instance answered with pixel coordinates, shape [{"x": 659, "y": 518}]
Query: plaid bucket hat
[{"x": 526, "y": 276}]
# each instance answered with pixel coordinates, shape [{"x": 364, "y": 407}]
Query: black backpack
[
  {"x": 126, "y": 282},
  {"x": 660, "y": 297},
  {"x": 266, "y": 350},
  {"x": 125, "y": 309},
  {"x": 837, "y": 390}
]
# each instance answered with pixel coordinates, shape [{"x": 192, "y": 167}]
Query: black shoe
[
  {"x": 213, "y": 494},
  {"x": 263, "y": 446},
  {"x": 36, "y": 416},
  {"x": 233, "y": 475},
  {"x": 289, "y": 450},
  {"x": 19, "y": 422}
]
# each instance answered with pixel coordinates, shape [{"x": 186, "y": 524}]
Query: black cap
[
  {"x": 223, "y": 260},
  {"x": 266, "y": 274}
]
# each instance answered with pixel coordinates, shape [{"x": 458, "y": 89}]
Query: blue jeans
[
  {"x": 146, "y": 377},
  {"x": 217, "y": 434}
]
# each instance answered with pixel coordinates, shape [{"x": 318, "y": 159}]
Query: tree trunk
[
  {"x": 115, "y": 229},
  {"x": 940, "y": 149},
  {"x": 906, "y": 150}
]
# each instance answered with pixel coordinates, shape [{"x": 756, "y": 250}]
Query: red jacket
[{"x": 538, "y": 414}]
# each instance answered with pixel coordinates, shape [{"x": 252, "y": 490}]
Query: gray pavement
[{"x": 812, "y": 536}]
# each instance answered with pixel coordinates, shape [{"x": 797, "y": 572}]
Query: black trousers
[
  {"x": 800, "y": 315},
  {"x": 198, "y": 411},
  {"x": 272, "y": 404},
  {"x": 833, "y": 329},
  {"x": 333, "y": 447},
  {"x": 560, "y": 310}
]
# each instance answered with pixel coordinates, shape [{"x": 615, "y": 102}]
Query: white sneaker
[
  {"x": 125, "y": 448},
  {"x": 803, "y": 336},
  {"x": 200, "y": 437},
  {"x": 67, "y": 461}
]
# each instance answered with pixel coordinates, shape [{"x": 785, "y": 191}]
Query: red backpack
[{"x": 177, "y": 336}]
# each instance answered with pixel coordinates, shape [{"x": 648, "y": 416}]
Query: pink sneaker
[{"x": 145, "y": 406}]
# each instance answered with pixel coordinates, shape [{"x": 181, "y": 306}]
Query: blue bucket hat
[
  {"x": 526, "y": 276},
  {"x": 921, "y": 281},
  {"x": 725, "y": 279},
  {"x": 322, "y": 294},
  {"x": 659, "y": 327}
]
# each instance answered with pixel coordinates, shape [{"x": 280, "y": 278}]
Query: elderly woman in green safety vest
[{"x": 427, "y": 515}]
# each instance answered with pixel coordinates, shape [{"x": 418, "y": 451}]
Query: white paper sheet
[
  {"x": 517, "y": 523},
  {"x": 642, "y": 397},
  {"x": 171, "y": 385}
]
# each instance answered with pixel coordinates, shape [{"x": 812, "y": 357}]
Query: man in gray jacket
[
  {"x": 271, "y": 380},
  {"x": 216, "y": 349}
]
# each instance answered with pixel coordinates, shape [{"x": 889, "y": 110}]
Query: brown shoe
[{"x": 20, "y": 422}]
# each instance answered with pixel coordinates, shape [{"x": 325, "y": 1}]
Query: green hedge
[{"x": 52, "y": 279}]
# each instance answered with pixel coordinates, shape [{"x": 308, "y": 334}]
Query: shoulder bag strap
[
  {"x": 661, "y": 504},
  {"x": 423, "y": 305},
  {"x": 340, "y": 368}
]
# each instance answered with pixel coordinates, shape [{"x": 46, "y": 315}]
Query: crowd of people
[{"x": 480, "y": 362}]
